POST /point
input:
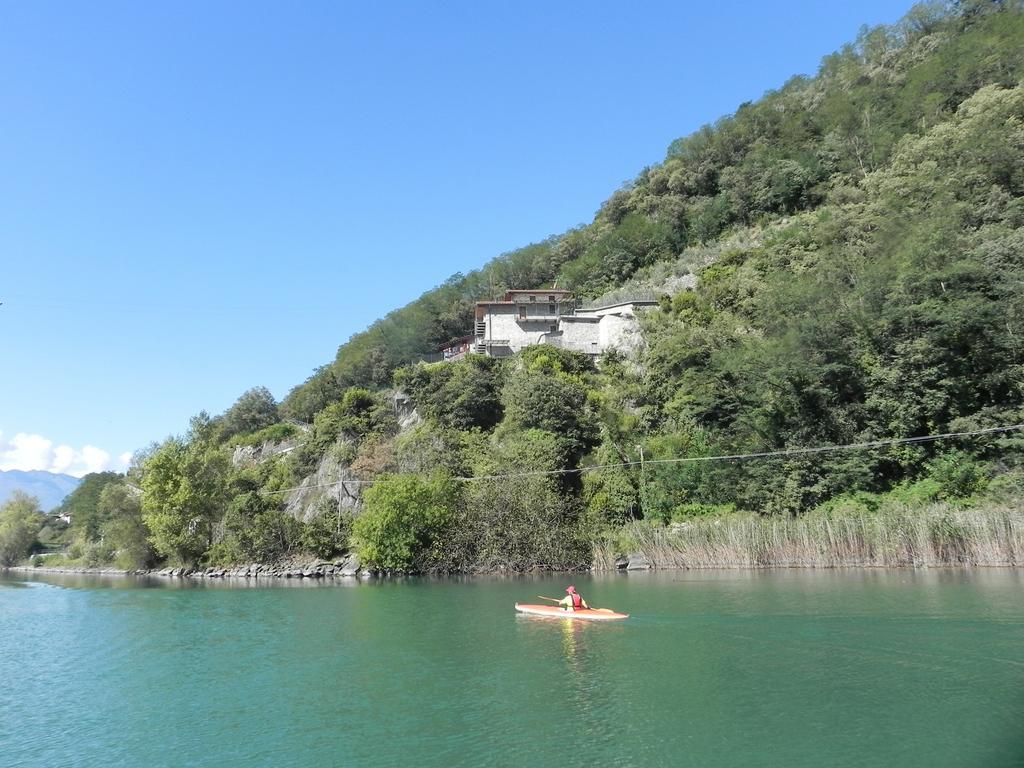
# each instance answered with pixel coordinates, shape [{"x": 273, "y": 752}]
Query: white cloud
[
  {"x": 34, "y": 452},
  {"x": 63, "y": 457}
]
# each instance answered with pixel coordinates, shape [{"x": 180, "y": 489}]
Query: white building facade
[{"x": 524, "y": 318}]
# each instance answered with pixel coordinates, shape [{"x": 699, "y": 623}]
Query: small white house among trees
[{"x": 523, "y": 318}]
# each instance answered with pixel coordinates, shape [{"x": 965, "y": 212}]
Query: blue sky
[{"x": 197, "y": 198}]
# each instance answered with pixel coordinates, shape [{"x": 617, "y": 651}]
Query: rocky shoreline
[{"x": 348, "y": 567}]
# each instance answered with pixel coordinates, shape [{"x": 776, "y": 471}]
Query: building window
[
  {"x": 552, "y": 328},
  {"x": 552, "y": 309},
  {"x": 522, "y": 313}
]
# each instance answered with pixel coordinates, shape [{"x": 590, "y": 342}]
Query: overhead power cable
[{"x": 695, "y": 459}]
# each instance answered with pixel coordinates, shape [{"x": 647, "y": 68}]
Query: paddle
[{"x": 552, "y": 599}]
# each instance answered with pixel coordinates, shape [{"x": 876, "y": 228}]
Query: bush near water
[{"x": 836, "y": 263}]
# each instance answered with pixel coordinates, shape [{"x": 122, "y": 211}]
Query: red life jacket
[{"x": 577, "y": 601}]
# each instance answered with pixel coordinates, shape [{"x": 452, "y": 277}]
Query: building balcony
[{"x": 545, "y": 318}]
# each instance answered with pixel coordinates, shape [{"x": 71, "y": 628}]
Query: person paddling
[{"x": 573, "y": 601}]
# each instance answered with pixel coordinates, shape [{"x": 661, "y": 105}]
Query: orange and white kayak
[{"x": 587, "y": 614}]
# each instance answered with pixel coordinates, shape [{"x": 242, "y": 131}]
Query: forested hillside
[
  {"x": 838, "y": 262},
  {"x": 786, "y": 153}
]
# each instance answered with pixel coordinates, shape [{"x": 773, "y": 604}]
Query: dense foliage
[
  {"x": 780, "y": 155},
  {"x": 20, "y": 519},
  {"x": 405, "y": 520}
]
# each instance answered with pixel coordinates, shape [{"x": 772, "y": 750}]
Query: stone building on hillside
[{"x": 524, "y": 318}]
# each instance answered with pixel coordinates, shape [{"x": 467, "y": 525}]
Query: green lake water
[{"x": 778, "y": 668}]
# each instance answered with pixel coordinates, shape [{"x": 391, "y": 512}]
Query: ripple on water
[{"x": 847, "y": 669}]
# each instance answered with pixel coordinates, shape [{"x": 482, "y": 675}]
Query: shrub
[
  {"x": 360, "y": 413},
  {"x": 51, "y": 560},
  {"x": 1006, "y": 487},
  {"x": 610, "y": 497},
  {"x": 270, "y": 535},
  {"x": 520, "y": 518},
  {"x": 428, "y": 448},
  {"x": 857, "y": 503},
  {"x": 328, "y": 533},
  {"x": 275, "y": 433},
  {"x": 958, "y": 475},
  {"x": 227, "y": 551},
  {"x": 257, "y": 531},
  {"x": 555, "y": 404},
  {"x": 918, "y": 493},
  {"x": 129, "y": 544},
  {"x": 96, "y": 554},
  {"x": 405, "y": 516},
  {"x": 460, "y": 395}
]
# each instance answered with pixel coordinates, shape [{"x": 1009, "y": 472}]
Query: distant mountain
[{"x": 49, "y": 487}]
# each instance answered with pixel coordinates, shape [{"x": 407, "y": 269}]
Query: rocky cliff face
[
  {"x": 405, "y": 411},
  {"x": 332, "y": 481}
]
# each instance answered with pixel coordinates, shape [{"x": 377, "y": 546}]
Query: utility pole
[{"x": 641, "y": 449}]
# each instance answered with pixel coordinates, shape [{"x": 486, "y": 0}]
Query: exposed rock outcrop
[
  {"x": 637, "y": 562},
  {"x": 405, "y": 411},
  {"x": 332, "y": 480}
]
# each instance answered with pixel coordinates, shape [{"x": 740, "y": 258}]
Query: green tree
[
  {"x": 635, "y": 242},
  {"x": 428, "y": 447},
  {"x": 534, "y": 399},
  {"x": 185, "y": 491},
  {"x": 123, "y": 530},
  {"x": 610, "y": 495},
  {"x": 256, "y": 409},
  {"x": 461, "y": 395},
  {"x": 312, "y": 396},
  {"x": 404, "y": 521},
  {"x": 20, "y": 521}
]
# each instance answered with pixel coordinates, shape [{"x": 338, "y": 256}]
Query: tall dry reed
[{"x": 901, "y": 536}]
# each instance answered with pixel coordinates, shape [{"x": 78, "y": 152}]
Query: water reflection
[
  {"x": 795, "y": 668},
  {"x": 572, "y": 636},
  {"x": 121, "y": 581}
]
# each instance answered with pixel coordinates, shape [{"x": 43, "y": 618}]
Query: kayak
[{"x": 554, "y": 612}]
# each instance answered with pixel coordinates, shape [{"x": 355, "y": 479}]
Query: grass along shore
[{"x": 937, "y": 535}]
